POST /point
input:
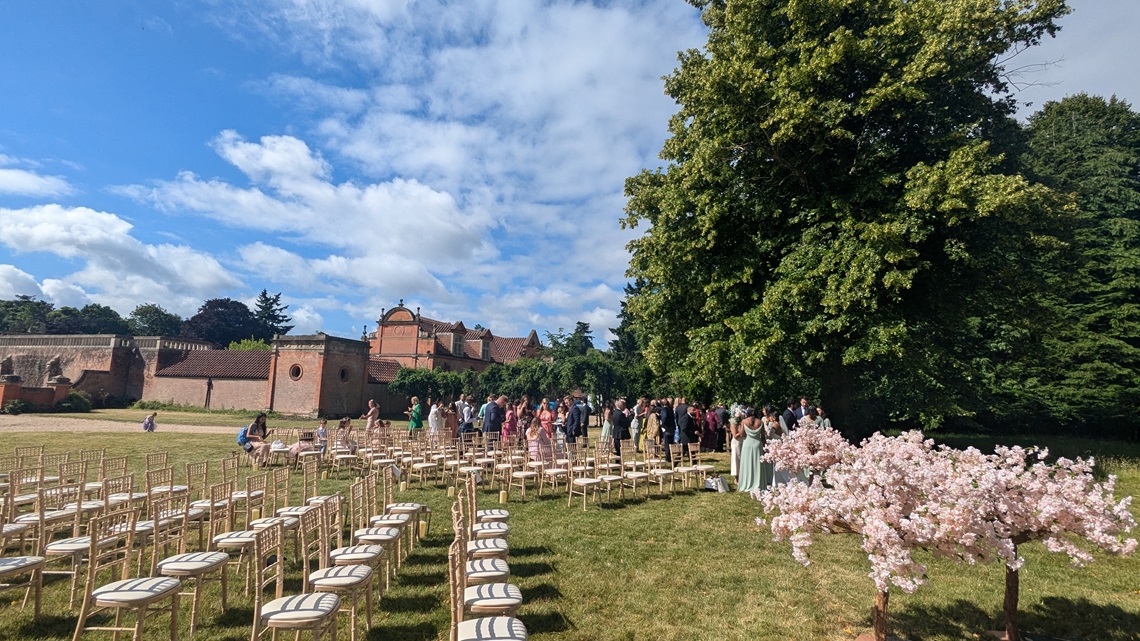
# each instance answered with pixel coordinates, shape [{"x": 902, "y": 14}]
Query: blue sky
[{"x": 467, "y": 157}]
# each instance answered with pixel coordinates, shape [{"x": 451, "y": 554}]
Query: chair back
[
  {"x": 52, "y": 515},
  {"x": 73, "y": 472},
  {"x": 93, "y": 457},
  {"x": 30, "y": 450},
  {"x": 171, "y": 514},
  {"x": 53, "y": 461},
  {"x": 156, "y": 460},
  {"x": 333, "y": 511},
  {"x": 314, "y": 543},
  {"x": 111, "y": 541},
  {"x": 124, "y": 484},
  {"x": 280, "y": 487},
  {"x": 161, "y": 478},
  {"x": 268, "y": 545},
  {"x": 221, "y": 509},
  {"x": 255, "y": 485},
  {"x": 198, "y": 480},
  {"x": 358, "y": 506},
  {"x": 230, "y": 468},
  {"x": 112, "y": 467},
  {"x": 310, "y": 478}
]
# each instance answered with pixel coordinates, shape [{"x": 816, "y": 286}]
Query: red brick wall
[
  {"x": 300, "y": 395},
  {"x": 180, "y": 391}
]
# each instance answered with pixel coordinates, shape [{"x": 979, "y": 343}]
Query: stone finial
[{"x": 6, "y": 366}]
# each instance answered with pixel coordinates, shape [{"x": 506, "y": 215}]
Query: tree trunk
[
  {"x": 879, "y": 621},
  {"x": 1012, "y": 588},
  {"x": 838, "y": 392}
]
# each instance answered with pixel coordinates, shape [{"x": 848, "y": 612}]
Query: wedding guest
[{"x": 148, "y": 422}]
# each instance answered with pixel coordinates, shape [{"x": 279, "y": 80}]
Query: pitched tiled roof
[
  {"x": 382, "y": 370},
  {"x": 507, "y": 349},
  {"x": 220, "y": 363}
]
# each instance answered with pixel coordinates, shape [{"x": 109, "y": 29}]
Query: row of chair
[{"x": 479, "y": 574}]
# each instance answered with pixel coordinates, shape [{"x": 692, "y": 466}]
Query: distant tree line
[{"x": 223, "y": 321}]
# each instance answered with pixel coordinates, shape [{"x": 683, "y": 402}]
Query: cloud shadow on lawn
[{"x": 1052, "y": 619}]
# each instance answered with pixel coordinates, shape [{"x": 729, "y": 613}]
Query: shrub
[
  {"x": 16, "y": 406},
  {"x": 74, "y": 402}
]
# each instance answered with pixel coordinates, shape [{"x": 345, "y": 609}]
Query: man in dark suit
[
  {"x": 686, "y": 425},
  {"x": 573, "y": 425},
  {"x": 621, "y": 421},
  {"x": 788, "y": 418},
  {"x": 496, "y": 412},
  {"x": 668, "y": 424},
  {"x": 802, "y": 410}
]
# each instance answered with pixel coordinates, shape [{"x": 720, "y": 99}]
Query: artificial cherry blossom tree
[
  {"x": 903, "y": 493},
  {"x": 888, "y": 491},
  {"x": 1026, "y": 498}
]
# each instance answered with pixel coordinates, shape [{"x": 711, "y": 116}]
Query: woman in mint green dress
[{"x": 754, "y": 475}]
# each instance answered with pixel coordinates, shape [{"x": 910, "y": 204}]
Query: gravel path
[{"x": 48, "y": 423}]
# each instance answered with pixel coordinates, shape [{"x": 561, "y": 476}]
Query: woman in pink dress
[
  {"x": 546, "y": 419},
  {"x": 511, "y": 425}
]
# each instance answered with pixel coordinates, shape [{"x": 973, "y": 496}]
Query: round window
[
  {"x": 295, "y": 372},
  {"x": 344, "y": 374}
]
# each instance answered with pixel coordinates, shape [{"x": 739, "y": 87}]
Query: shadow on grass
[
  {"x": 425, "y": 559},
  {"x": 531, "y": 569},
  {"x": 542, "y": 592},
  {"x": 958, "y": 620},
  {"x": 531, "y": 550},
  {"x": 1052, "y": 618},
  {"x": 1081, "y": 619},
  {"x": 545, "y": 622},
  {"x": 428, "y": 579},
  {"x": 416, "y": 632},
  {"x": 424, "y": 603},
  {"x": 54, "y": 626}
]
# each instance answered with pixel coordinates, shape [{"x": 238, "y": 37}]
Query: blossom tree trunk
[
  {"x": 879, "y": 620},
  {"x": 1009, "y": 606}
]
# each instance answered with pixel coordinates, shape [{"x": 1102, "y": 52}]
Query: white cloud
[
  {"x": 118, "y": 270},
  {"x": 21, "y": 182},
  {"x": 305, "y": 320},
  {"x": 61, "y": 293},
  {"x": 16, "y": 282}
]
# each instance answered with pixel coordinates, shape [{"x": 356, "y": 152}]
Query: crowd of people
[
  {"x": 750, "y": 432},
  {"x": 742, "y": 430}
]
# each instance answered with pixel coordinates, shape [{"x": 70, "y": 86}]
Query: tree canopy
[
  {"x": 270, "y": 315},
  {"x": 223, "y": 321},
  {"x": 838, "y": 215},
  {"x": 149, "y": 319}
]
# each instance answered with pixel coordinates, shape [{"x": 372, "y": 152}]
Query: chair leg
[
  {"x": 175, "y": 601},
  {"x": 139, "y": 619}
]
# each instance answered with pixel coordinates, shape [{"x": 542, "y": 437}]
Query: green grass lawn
[{"x": 694, "y": 566}]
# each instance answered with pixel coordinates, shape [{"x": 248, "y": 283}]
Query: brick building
[
  {"x": 305, "y": 375},
  {"x": 412, "y": 340}
]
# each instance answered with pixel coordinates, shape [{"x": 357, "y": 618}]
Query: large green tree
[
  {"x": 837, "y": 215},
  {"x": 150, "y": 319},
  {"x": 1090, "y": 147},
  {"x": 223, "y": 321},
  {"x": 270, "y": 315},
  {"x": 24, "y": 314}
]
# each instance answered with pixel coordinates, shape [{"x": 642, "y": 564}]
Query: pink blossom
[{"x": 811, "y": 448}]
